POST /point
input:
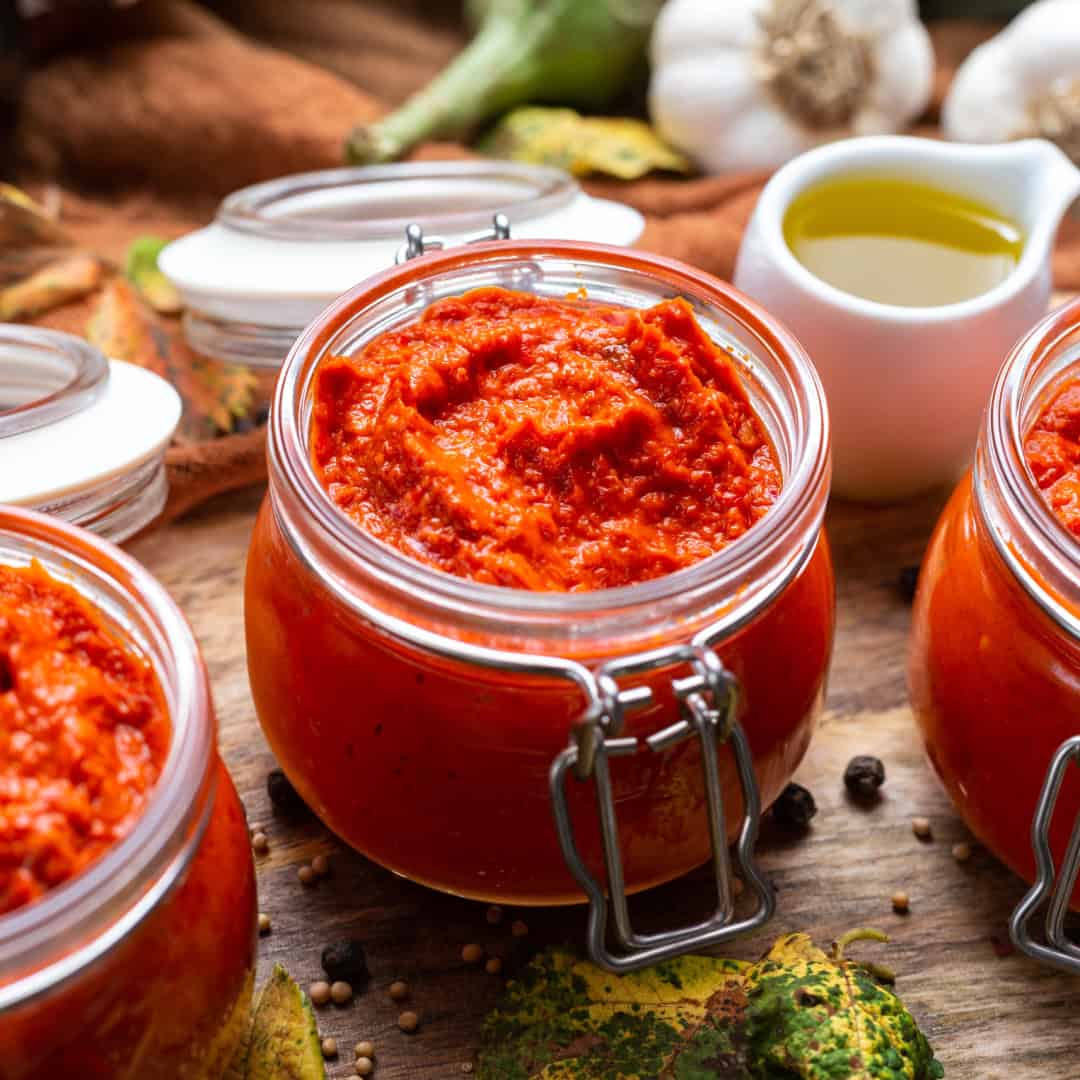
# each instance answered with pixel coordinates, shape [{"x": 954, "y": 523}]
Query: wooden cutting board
[{"x": 990, "y": 1016}]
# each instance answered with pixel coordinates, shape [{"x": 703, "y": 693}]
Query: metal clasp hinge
[
  {"x": 709, "y": 700},
  {"x": 417, "y": 244},
  {"x": 1052, "y": 887}
]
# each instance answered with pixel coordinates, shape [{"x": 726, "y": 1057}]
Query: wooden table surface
[{"x": 989, "y": 1016}]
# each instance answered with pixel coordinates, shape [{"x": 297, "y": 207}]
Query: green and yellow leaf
[
  {"x": 141, "y": 269},
  {"x": 565, "y": 1018},
  {"x": 797, "y": 1014},
  {"x": 818, "y": 1016},
  {"x": 280, "y": 1040},
  {"x": 284, "y": 1041},
  {"x": 582, "y": 145}
]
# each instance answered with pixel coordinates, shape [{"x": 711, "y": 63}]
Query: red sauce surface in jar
[
  {"x": 83, "y": 734},
  {"x": 544, "y": 444},
  {"x": 1052, "y": 448}
]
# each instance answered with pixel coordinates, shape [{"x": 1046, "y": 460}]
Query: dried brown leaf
[
  {"x": 25, "y": 223},
  {"x": 215, "y": 395},
  {"x": 58, "y": 283}
]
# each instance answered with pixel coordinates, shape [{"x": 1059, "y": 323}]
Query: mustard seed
[
  {"x": 340, "y": 993},
  {"x": 920, "y": 826},
  {"x": 363, "y": 1066},
  {"x": 408, "y": 1021},
  {"x": 321, "y": 865},
  {"x": 264, "y": 923},
  {"x": 519, "y": 929},
  {"x": 494, "y": 915},
  {"x": 260, "y": 843},
  {"x": 306, "y": 875},
  {"x": 901, "y": 902},
  {"x": 319, "y": 992},
  {"x": 329, "y": 1048},
  {"x": 365, "y": 1049},
  {"x": 399, "y": 990},
  {"x": 472, "y": 954},
  {"x": 493, "y": 966},
  {"x": 961, "y": 852}
]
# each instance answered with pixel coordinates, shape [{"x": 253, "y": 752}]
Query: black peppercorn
[
  {"x": 344, "y": 961},
  {"x": 795, "y": 806},
  {"x": 907, "y": 582},
  {"x": 284, "y": 797},
  {"x": 864, "y": 775}
]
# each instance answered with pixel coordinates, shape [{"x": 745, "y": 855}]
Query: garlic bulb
[
  {"x": 1023, "y": 82},
  {"x": 750, "y": 83}
]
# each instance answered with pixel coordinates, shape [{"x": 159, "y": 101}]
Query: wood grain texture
[{"x": 990, "y": 1017}]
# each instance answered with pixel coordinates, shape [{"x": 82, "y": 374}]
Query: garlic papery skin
[
  {"x": 748, "y": 84},
  {"x": 1023, "y": 82}
]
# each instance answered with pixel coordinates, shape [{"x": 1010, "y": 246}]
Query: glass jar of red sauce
[
  {"x": 994, "y": 669},
  {"x": 141, "y": 964},
  {"x": 420, "y": 713}
]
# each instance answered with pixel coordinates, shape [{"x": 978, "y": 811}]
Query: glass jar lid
[
  {"x": 279, "y": 252},
  {"x": 82, "y": 437}
]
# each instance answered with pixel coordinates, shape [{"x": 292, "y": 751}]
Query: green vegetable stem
[{"x": 563, "y": 52}]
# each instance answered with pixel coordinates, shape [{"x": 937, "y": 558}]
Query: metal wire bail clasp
[
  {"x": 1055, "y": 887},
  {"x": 709, "y": 698},
  {"x": 417, "y": 244}
]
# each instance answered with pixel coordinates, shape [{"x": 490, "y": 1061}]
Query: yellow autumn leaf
[
  {"x": 798, "y": 1013},
  {"x": 582, "y": 145},
  {"x": 283, "y": 1040},
  {"x": 69, "y": 278}
]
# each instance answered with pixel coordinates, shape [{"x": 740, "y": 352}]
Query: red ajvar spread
[
  {"x": 544, "y": 444},
  {"x": 1052, "y": 449},
  {"x": 83, "y": 734}
]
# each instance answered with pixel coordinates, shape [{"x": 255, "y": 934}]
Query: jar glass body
[
  {"x": 994, "y": 668},
  {"x": 379, "y": 682},
  {"x": 144, "y": 963}
]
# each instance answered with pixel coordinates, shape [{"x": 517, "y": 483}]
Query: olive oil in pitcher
[{"x": 900, "y": 242}]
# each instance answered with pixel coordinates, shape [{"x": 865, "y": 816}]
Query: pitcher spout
[{"x": 1050, "y": 184}]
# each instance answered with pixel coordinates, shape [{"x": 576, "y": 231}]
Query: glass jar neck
[
  {"x": 1039, "y": 553},
  {"x": 429, "y": 608},
  {"x": 56, "y": 937}
]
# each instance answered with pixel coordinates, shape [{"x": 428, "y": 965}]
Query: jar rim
[
  {"x": 63, "y": 373},
  {"x": 1034, "y": 545},
  {"x": 53, "y": 938},
  {"x": 797, "y": 510}
]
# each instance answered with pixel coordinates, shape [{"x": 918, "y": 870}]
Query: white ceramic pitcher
[{"x": 907, "y": 386}]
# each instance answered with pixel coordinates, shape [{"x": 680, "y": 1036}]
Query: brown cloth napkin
[{"x": 146, "y": 128}]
